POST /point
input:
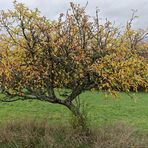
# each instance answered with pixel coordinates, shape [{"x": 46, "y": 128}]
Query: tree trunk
[{"x": 80, "y": 119}]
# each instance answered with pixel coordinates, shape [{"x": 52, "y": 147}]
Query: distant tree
[{"x": 75, "y": 53}]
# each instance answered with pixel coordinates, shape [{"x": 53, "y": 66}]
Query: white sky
[{"x": 115, "y": 10}]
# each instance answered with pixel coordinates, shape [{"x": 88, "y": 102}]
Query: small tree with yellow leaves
[{"x": 74, "y": 53}]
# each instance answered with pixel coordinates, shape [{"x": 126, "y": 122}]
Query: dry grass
[
  {"x": 119, "y": 136},
  {"x": 32, "y": 134}
]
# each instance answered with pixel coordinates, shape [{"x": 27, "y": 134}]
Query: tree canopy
[{"x": 76, "y": 52}]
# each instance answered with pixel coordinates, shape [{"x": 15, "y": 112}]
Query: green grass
[{"x": 101, "y": 110}]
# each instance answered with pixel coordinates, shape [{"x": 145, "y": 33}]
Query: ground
[{"x": 101, "y": 110}]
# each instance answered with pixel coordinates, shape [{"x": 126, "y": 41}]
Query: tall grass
[{"x": 33, "y": 134}]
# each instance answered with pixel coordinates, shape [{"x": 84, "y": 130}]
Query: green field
[{"x": 101, "y": 110}]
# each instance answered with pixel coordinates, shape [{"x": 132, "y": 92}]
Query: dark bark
[{"x": 81, "y": 121}]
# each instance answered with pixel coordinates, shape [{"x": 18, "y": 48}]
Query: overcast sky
[{"x": 115, "y": 10}]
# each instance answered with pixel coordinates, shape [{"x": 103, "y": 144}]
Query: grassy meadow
[{"x": 101, "y": 110}]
